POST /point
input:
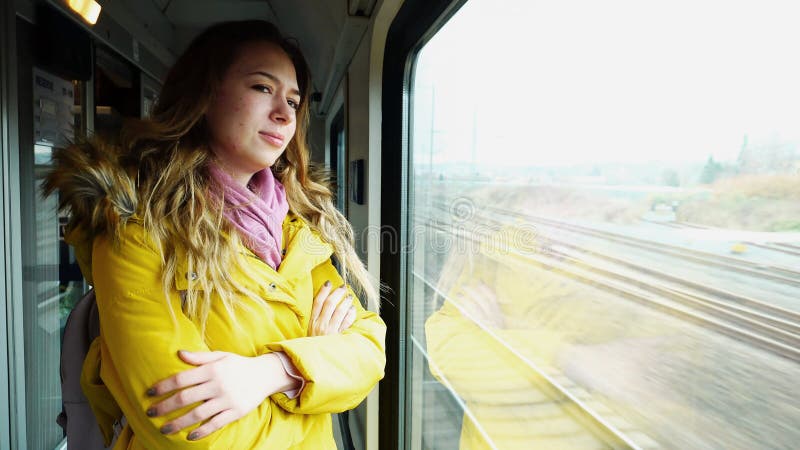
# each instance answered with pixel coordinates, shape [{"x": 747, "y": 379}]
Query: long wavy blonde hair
[{"x": 168, "y": 156}]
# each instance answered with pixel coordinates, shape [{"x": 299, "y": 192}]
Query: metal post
[{"x": 12, "y": 379}]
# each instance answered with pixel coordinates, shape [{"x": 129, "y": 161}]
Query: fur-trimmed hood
[{"x": 96, "y": 190}]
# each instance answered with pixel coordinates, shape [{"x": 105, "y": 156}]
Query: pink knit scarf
[{"x": 257, "y": 213}]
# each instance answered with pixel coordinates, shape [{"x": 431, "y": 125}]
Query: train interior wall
[{"x": 357, "y": 96}]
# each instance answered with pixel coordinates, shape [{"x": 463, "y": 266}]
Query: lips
[{"x": 275, "y": 139}]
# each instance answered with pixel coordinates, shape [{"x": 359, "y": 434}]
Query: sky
[{"x": 566, "y": 82}]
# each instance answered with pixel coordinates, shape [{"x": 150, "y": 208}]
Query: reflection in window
[
  {"x": 606, "y": 227},
  {"x": 52, "y": 282},
  {"x": 117, "y": 92}
]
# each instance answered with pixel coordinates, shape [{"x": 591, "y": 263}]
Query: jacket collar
[{"x": 304, "y": 250}]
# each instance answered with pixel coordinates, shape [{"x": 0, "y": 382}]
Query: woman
[{"x": 224, "y": 323}]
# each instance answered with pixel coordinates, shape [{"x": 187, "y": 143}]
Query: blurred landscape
[{"x": 760, "y": 191}]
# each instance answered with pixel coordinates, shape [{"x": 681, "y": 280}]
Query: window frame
[
  {"x": 415, "y": 24},
  {"x": 338, "y": 155},
  {"x": 12, "y": 415}
]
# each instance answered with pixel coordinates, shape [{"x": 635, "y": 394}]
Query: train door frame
[
  {"x": 12, "y": 423},
  {"x": 148, "y": 61},
  {"x": 32, "y": 65}
]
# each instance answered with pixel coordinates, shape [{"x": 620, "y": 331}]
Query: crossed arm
[
  {"x": 141, "y": 342},
  {"x": 231, "y": 385}
]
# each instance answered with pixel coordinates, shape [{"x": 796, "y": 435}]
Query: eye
[
  {"x": 295, "y": 104},
  {"x": 263, "y": 88}
]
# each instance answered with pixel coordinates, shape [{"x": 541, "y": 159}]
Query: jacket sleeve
[
  {"x": 481, "y": 362},
  {"x": 141, "y": 337},
  {"x": 471, "y": 361},
  {"x": 339, "y": 369}
]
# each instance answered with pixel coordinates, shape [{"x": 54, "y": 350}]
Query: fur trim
[{"x": 93, "y": 186}]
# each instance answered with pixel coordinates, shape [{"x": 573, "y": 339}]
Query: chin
[{"x": 274, "y": 157}]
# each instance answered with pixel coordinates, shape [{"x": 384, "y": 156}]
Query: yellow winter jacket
[{"x": 139, "y": 341}]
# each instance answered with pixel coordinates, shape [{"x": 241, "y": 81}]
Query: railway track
[
  {"x": 769, "y": 314},
  {"x": 748, "y": 320},
  {"x": 779, "y": 247},
  {"x": 773, "y": 272},
  {"x": 791, "y": 246},
  {"x": 579, "y": 418}
]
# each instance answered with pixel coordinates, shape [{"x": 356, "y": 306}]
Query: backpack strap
[{"x": 76, "y": 418}]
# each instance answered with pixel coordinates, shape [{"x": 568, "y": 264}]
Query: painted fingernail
[
  {"x": 166, "y": 429},
  {"x": 151, "y": 392},
  {"x": 151, "y": 412},
  {"x": 193, "y": 436},
  {"x": 328, "y": 283}
]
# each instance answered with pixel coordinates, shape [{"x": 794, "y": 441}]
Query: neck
[{"x": 242, "y": 179}]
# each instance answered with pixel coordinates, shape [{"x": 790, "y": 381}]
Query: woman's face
[{"x": 253, "y": 116}]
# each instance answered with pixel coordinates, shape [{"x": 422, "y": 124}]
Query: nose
[{"x": 280, "y": 111}]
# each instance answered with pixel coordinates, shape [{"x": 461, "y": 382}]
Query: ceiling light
[{"x": 88, "y": 9}]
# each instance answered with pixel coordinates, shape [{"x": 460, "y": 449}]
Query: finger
[
  {"x": 460, "y": 299},
  {"x": 324, "y": 319},
  {"x": 339, "y": 314},
  {"x": 349, "y": 319},
  {"x": 486, "y": 286},
  {"x": 483, "y": 305},
  {"x": 180, "y": 380},
  {"x": 196, "y": 415},
  {"x": 468, "y": 311},
  {"x": 319, "y": 300},
  {"x": 200, "y": 358},
  {"x": 182, "y": 398},
  {"x": 473, "y": 297},
  {"x": 486, "y": 292},
  {"x": 320, "y": 325},
  {"x": 481, "y": 302},
  {"x": 466, "y": 304},
  {"x": 216, "y": 422},
  {"x": 490, "y": 302}
]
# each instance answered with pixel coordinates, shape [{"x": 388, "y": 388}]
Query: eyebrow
[{"x": 275, "y": 79}]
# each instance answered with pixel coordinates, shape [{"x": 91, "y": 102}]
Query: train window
[
  {"x": 605, "y": 219},
  {"x": 150, "y": 88},
  {"x": 118, "y": 92},
  {"x": 53, "y": 70},
  {"x": 337, "y": 157},
  {"x": 52, "y": 281}
]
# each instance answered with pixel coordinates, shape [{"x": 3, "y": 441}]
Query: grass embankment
[
  {"x": 564, "y": 203},
  {"x": 755, "y": 202}
]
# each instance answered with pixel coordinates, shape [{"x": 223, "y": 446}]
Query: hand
[
  {"x": 480, "y": 303},
  {"x": 228, "y": 385},
  {"x": 332, "y": 313}
]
